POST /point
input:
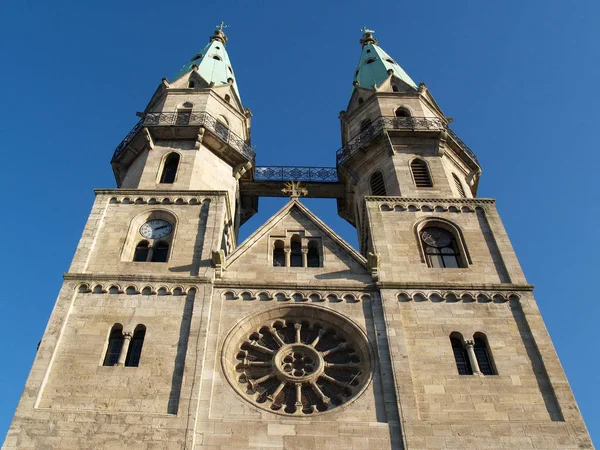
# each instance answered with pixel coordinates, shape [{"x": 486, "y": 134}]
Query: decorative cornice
[
  {"x": 314, "y": 295},
  {"x": 466, "y": 201},
  {"x": 436, "y": 285},
  {"x": 137, "y": 278},
  {"x": 343, "y": 286},
  {"x": 458, "y": 296}
]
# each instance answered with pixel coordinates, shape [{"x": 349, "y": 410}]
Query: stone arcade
[{"x": 167, "y": 334}]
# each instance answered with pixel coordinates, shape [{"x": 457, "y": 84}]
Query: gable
[{"x": 253, "y": 260}]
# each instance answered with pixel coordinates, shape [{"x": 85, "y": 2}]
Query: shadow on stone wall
[
  {"x": 182, "y": 345},
  {"x": 537, "y": 365},
  {"x": 492, "y": 246}
]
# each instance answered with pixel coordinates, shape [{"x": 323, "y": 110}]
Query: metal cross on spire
[
  {"x": 295, "y": 190},
  {"x": 222, "y": 25},
  {"x": 366, "y": 30}
]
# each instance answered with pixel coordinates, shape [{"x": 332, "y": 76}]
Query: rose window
[{"x": 298, "y": 365}]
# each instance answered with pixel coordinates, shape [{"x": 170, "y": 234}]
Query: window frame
[{"x": 463, "y": 253}]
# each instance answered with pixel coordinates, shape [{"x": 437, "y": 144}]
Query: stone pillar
[
  {"x": 304, "y": 257},
  {"x": 469, "y": 345},
  {"x": 288, "y": 254},
  {"x": 124, "y": 349}
]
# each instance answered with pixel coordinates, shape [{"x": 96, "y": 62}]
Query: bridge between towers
[{"x": 269, "y": 181}]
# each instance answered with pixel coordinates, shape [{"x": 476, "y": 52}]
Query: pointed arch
[
  {"x": 169, "y": 170},
  {"x": 377, "y": 184},
  {"x": 420, "y": 173},
  {"x": 134, "y": 352}
]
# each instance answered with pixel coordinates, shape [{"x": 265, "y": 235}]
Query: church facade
[{"x": 169, "y": 334}]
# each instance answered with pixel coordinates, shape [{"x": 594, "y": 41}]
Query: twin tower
[{"x": 170, "y": 334}]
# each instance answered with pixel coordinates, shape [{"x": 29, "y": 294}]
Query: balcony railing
[
  {"x": 398, "y": 123},
  {"x": 294, "y": 173},
  {"x": 183, "y": 119}
]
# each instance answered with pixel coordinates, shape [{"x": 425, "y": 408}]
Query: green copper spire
[
  {"x": 375, "y": 64},
  {"x": 212, "y": 62}
]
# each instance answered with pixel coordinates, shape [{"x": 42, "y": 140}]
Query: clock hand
[{"x": 160, "y": 228}]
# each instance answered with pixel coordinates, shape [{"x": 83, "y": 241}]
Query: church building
[{"x": 169, "y": 334}]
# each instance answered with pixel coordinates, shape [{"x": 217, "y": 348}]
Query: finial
[
  {"x": 222, "y": 25},
  {"x": 367, "y": 37},
  {"x": 295, "y": 190},
  {"x": 219, "y": 34}
]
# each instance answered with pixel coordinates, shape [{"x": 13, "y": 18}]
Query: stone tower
[{"x": 167, "y": 334}]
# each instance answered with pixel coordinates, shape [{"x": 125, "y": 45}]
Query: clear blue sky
[{"x": 519, "y": 77}]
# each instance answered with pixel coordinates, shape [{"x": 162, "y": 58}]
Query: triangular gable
[{"x": 252, "y": 260}]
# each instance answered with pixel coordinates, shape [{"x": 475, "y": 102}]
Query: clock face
[
  {"x": 156, "y": 229},
  {"x": 436, "y": 237}
]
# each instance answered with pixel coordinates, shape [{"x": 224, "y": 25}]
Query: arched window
[
  {"x": 377, "y": 184},
  {"x": 420, "y": 173},
  {"x": 365, "y": 124},
  {"x": 482, "y": 354},
  {"x": 227, "y": 98},
  {"x": 183, "y": 116},
  {"x": 296, "y": 253},
  {"x": 440, "y": 248},
  {"x": 460, "y": 355},
  {"x": 402, "y": 112},
  {"x": 161, "y": 252},
  {"x": 170, "y": 168},
  {"x": 141, "y": 252},
  {"x": 115, "y": 344},
  {"x": 459, "y": 186},
  {"x": 395, "y": 88},
  {"x": 279, "y": 254},
  {"x": 135, "y": 347},
  {"x": 360, "y": 100},
  {"x": 370, "y": 61},
  {"x": 222, "y": 127},
  {"x": 313, "y": 259}
]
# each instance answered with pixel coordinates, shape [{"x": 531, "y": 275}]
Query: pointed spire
[
  {"x": 375, "y": 65},
  {"x": 212, "y": 62}
]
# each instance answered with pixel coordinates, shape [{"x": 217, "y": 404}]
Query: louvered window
[
  {"x": 483, "y": 357},
  {"x": 459, "y": 186},
  {"x": 377, "y": 184},
  {"x": 420, "y": 173},
  {"x": 460, "y": 356}
]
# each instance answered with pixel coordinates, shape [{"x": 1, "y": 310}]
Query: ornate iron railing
[
  {"x": 294, "y": 173},
  {"x": 182, "y": 119},
  {"x": 397, "y": 123}
]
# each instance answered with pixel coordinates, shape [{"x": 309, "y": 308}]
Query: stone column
[
  {"x": 469, "y": 345},
  {"x": 124, "y": 349},
  {"x": 288, "y": 254},
  {"x": 304, "y": 257}
]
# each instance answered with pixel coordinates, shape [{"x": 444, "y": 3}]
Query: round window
[{"x": 297, "y": 360}]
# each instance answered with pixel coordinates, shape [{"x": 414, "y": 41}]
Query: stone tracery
[{"x": 299, "y": 365}]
